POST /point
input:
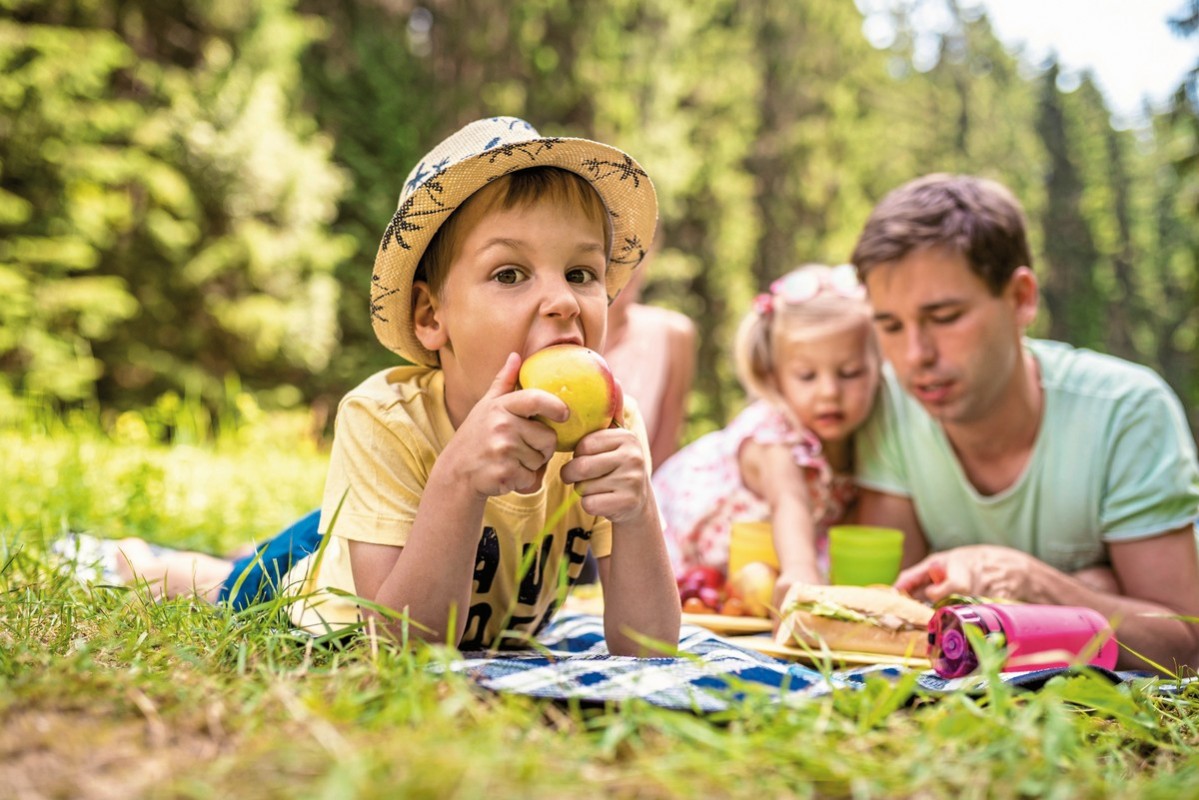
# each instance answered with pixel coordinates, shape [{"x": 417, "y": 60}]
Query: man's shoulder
[{"x": 1084, "y": 373}]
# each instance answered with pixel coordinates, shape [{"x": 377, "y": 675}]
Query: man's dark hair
[{"x": 973, "y": 217}]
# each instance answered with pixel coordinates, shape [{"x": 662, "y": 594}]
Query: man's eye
[
  {"x": 946, "y": 319},
  {"x": 889, "y": 327}
]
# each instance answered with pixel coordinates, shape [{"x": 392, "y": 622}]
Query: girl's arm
[{"x": 770, "y": 471}]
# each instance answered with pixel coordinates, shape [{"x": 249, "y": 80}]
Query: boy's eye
[
  {"x": 850, "y": 374},
  {"x": 581, "y": 275}
]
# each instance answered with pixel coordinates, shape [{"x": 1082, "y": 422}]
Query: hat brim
[{"x": 623, "y": 186}]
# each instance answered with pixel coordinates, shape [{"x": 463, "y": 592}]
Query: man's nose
[{"x": 920, "y": 348}]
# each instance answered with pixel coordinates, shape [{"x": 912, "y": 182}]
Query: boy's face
[
  {"x": 954, "y": 346},
  {"x": 519, "y": 280}
]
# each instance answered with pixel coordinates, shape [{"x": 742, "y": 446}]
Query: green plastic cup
[{"x": 863, "y": 554}]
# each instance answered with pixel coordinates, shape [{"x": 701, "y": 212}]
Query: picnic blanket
[{"x": 711, "y": 674}]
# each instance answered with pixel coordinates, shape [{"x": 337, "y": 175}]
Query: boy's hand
[
  {"x": 499, "y": 447},
  {"x": 610, "y": 472}
]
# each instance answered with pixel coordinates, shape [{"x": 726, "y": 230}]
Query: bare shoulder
[{"x": 669, "y": 321}]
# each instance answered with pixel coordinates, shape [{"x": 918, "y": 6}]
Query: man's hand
[
  {"x": 982, "y": 569},
  {"x": 499, "y": 447},
  {"x": 610, "y": 472}
]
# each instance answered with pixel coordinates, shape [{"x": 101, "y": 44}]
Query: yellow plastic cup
[
  {"x": 864, "y": 554},
  {"x": 749, "y": 542}
]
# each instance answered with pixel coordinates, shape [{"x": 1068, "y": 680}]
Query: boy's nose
[{"x": 560, "y": 300}]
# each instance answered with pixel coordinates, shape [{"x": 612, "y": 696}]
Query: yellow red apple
[
  {"x": 753, "y": 585},
  {"x": 580, "y": 377}
]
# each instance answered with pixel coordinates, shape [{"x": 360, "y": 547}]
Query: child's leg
[
  {"x": 256, "y": 577},
  {"x": 171, "y": 573}
]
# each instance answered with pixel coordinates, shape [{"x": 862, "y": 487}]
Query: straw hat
[{"x": 467, "y": 161}]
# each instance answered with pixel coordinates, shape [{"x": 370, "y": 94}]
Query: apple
[
  {"x": 703, "y": 577},
  {"x": 580, "y": 377},
  {"x": 753, "y": 585}
]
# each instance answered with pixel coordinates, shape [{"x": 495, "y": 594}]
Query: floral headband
[{"x": 804, "y": 285}]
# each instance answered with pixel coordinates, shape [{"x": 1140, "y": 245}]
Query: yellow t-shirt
[{"x": 389, "y": 432}]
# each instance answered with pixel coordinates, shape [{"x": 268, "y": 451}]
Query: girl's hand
[
  {"x": 499, "y": 447},
  {"x": 805, "y": 574},
  {"x": 609, "y": 471}
]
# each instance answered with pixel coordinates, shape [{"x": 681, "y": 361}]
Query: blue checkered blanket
[{"x": 710, "y": 674}]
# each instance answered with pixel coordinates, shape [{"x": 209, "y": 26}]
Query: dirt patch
[{"x": 87, "y": 755}]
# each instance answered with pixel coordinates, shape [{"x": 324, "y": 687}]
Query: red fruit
[
  {"x": 733, "y": 607},
  {"x": 693, "y": 605},
  {"x": 709, "y": 577},
  {"x": 710, "y": 597}
]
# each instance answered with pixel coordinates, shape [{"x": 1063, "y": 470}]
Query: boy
[{"x": 445, "y": 497}]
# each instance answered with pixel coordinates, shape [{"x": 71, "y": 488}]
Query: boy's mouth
[{"x": 575, "y": 340}]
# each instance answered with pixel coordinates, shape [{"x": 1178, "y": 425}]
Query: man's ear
[
  {"x": 426, "y": 318},
  {"x": 1026, "y": 295}
]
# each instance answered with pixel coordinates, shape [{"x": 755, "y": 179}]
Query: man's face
[{"x": 954, "y": 345}]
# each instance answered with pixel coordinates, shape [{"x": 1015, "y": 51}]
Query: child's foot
[{"x": 90, "y": 559}]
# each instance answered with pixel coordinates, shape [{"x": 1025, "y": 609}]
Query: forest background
[{"x": 192, "y": 193}]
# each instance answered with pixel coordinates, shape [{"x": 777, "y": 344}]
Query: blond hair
[{"x": 834, "y": 304}]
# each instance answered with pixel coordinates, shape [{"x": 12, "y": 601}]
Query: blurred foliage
[{"x": 194, "y": 191}]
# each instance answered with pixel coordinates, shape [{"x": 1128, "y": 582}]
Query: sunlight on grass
[{"x": 104, "y": 690}]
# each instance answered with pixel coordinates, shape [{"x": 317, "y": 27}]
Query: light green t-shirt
[{"x": 1114, "y": 461}]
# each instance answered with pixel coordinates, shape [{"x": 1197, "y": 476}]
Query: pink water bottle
[{"x": 1036, "y": 636}]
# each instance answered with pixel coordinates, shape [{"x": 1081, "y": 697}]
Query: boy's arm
[
  {"x": 641, "y": 599},
  {"x": 497, "y": 449}
]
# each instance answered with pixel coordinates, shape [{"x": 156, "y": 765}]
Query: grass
[{"x": 104, "y": 693}]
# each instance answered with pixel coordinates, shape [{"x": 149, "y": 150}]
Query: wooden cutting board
[
  {"x": 726, "y": 625},
  {"x": 838, "y": 658}
]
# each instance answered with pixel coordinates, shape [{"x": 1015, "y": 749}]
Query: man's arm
[
  {"x": 893, "y": 511},
  {"x": 1158, "y": 578}
]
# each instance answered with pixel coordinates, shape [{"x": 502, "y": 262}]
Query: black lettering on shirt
[
  {"x": 534, "y": 578},
  {"x": 487, "y": 560}
]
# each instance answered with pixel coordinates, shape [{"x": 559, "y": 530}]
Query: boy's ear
[{"x": 426, "y": 318}]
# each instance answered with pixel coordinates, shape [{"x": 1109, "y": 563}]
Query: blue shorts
[{"x": 264, "y": 569}]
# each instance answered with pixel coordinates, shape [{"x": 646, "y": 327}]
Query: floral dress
[{"x": 700, "y": 492}]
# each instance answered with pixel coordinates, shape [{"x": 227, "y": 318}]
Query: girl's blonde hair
[{"x": 813, "y": 298}]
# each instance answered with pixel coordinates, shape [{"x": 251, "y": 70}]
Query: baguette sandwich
[{"x": 861, "y": 619}]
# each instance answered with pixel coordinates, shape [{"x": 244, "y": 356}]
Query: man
[{"x": 1018, "y": 468}]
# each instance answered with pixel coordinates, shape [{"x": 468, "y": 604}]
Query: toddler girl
[{"x": 806, "y": 353}]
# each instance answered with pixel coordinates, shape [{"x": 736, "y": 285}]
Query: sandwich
[{"x": 861, "y": 619}]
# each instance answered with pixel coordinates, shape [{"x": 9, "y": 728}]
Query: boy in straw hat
[
  {"x": 505, "y": 242},
  {"x": 445, "y": 497}
]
